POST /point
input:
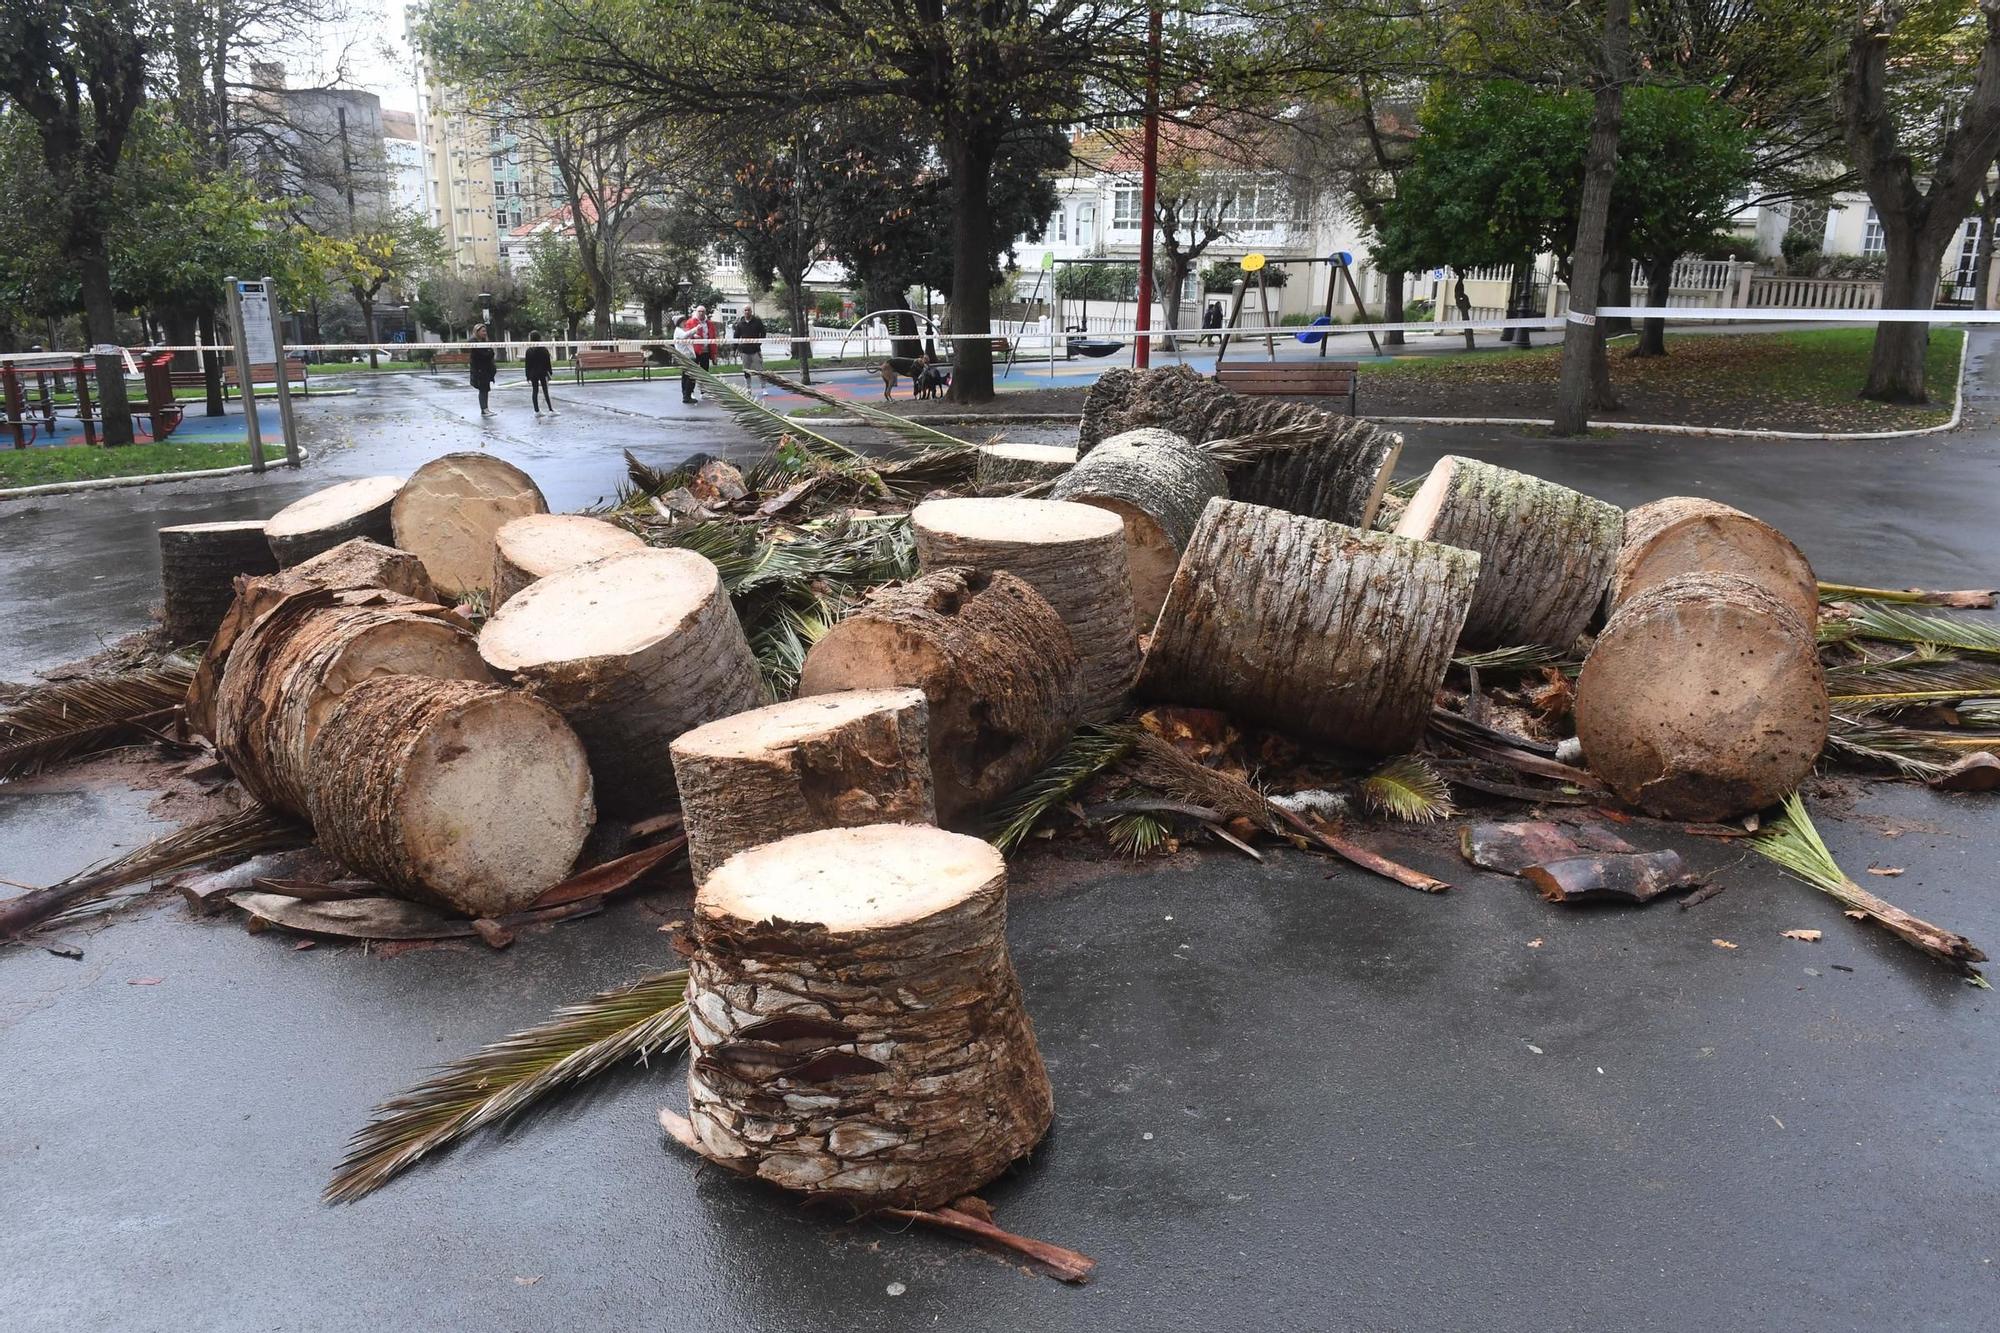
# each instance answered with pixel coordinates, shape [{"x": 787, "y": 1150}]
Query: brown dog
[{"x": 911, "y": 368}]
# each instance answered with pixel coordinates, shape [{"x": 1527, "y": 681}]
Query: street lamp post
[{"x": 1149, "y": 170}]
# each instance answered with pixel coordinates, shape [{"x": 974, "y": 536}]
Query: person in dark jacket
[
  {"x": 537, "y": 364},
  {"x": 750, "y": 335},
  {"x": 480, "y": 359}
]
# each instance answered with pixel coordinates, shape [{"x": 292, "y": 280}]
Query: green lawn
[{"x": 36, "y": 467}]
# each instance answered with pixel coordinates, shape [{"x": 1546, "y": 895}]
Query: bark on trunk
[
  {"x": 1322, "y": 629},
  {"x": 856, "y": 1029},
  {"x": 1659, "y": 289},
  {"x": 971, "y": 271},
  {"x": 199, "y": 563},
  {"x": 993, "y": 659},
  {"x": 1545, "y": 551},
  {"x": 1392, "y": 307},
  {"x": 823, "y": 761},
  {"x": 1584, "y": 381},
  {"x": 1896, "y": 363},
  {"x": 633, "y": 650},
  {"x": 534, "y": 546},
  {"x": 1158, "y": 484},
  {"x": 289, "y": 669},
  {"x": 211, "y": 369},
  {"x": 1000, "y": 464},
  {"x": 1074, "y": 555},
  {"x": 463, "y": 794},
  {"x": 325, "y": 519},
  {"x": 449, "y": 509},
  {"x": 1703, "y": 699},
  {"x": 1685, "y": 535},
  {"x": 100, "y": 320}
]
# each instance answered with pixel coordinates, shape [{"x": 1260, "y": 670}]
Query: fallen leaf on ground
[
  {"x": 1722, "y": 944},
  {"x": 1809, "y": 936},
  {"x": 1535, "y": 943},
  {"x": 303, "y": 945},
  {"x": 1858, "y": 916},
  {"x": 1887, "y": 872},
  {"x": 143, "y": 981},
  {"x": 527, "y": 1281}
]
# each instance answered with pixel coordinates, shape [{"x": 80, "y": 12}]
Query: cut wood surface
[
  {"x": 1631, "y": 877},
  {"x": 534, "y": 546},
  {"x": 1320, "y": 629},
  {"x": 1703, "y": 699},
  {"x": 1686, "y": 535},
  {"x": 820, "y": 761},
  {"x": 449, "y": 509},
  {"x": 1545, "y": 551},
  {"x": 291, "y": 667},
  {"x": 199, "y": 563},
  {"x": 325, "y": 519},
  {"x": 1000, "y": 463},
  {"x": 633, "y": 649},
  {"x": 993, "y": 660},
  {"x": 855, "y": 1025},
  {"x": 1072, "y": 554},
  {"x": 1158, "y": 484},
  {"x": 460, "y": 793}
]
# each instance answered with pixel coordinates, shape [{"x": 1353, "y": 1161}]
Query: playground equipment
[
  {"x": 1341, "y": 262},
  {"x": 26, "y": 420},
  {"x": 1292, "y": 379}
]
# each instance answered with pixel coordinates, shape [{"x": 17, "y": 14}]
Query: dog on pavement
[{"x": 927, "y": 378}]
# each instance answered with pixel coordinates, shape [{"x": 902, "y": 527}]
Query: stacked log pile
[
  {"x": 199, "y": 563},
  {"x": 1002, "y": 463},
  {"x": 326, "y": 518},
  {"x": 534, "y": 546},
  {"x": 449, "y": 510},
  {"x": 1158, "y": 484}
]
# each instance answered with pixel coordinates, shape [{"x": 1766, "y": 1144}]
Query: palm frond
[
  {"x": 1920, "y": 743},
  {"x": 1407, "y": 788},
  {"x": 916, "y": 432},
  {"x": 767, "y": 424},
  {"x": 1893, "y": 624},
  {"x": 578, "y": 1042},
  {"x": 1090, "y": 751},
  {"x": 1136, "y": 835},
  {"x": 1237, "y": 450},
  {"x": 1508, "y": 661},
  {"x": 1857, "y": 749},
  {"x": 1985, "y": 713},
  {"x": 1910, "y": 681},
  {"x": 648, "y": 480},
  {"x": 230, "y": 836},
  {"x": 68, "y": 719},
  {"x": 1964, "y": 598}
]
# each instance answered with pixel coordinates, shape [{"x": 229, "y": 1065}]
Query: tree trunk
[
  {"x": 911, "y": 1076},
  {"x": 1001, "y": 464},
  {"x": 1685, "y": 535},
  {"x": 1617, "y": 289},
  {"x": 822, "y": 761},
  {"x": 1584, "y": 379},
  {"x": 1524, "y": 279},
  {"x": 1909, "y": 282},
  {"x": 1703, "y": 699},
  {"x": 199, "y": 563},
  {"x": 633, "y": 650},
  {"x": 1158, "y": 484},
  {"x": 449, "y": 509},
  {"x": 455, "y": 792},
  {"x": 100, "y": 321},
  {"x": 1545, "y": 551},
  {"x": 1074, "y": 555},
  {"x": 1321, "y": 629},
  {"x": 369, "y": 332},
  {"x": 326, "y": 518},
  {"x": 1659, "y": 289},
  {"x": 536, "y": 545},
  {"x": 801, "y": 331},
  {"x": 287, "y": 671},
  {"x": 971, "y": 271},
  {"x": 993, "y": 659},
  {"x": 1392, "y": 307}
]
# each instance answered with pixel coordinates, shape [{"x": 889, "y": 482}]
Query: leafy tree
[
  {"x": 666, "y": 264},
  {"x": 609, "y": 174},
  {"x": 387, "y": 252},
  {"x": 558, "y": 283}
]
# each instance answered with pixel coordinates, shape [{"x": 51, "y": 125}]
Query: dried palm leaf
[
  {"x": 1508, "y": 661},
  {"x": 1893, "y": 624},
  {"x": 798, "y": 448},
  {"x": 578, "y": 1042},
  {"x": 1407, "y": 788},
  {"x": 1964, "y": 598},
  {"x": 68, "y": 719},
  {"x": 906, "y": 428},
  {"x": 1861, "y": 689},
  {"x": 1090, "y": 751},
  {"x": 1238, "y": 450}
]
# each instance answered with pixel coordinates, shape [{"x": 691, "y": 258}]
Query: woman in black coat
[{"x": 481, "y": 361}]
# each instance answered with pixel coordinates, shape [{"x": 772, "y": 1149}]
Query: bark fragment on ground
[
  {"x": 1632, "y": 877},
  {"x": 326, "y": 518},
  {"x": 199, "y": 563},
  {"x": 1509, "y": 847},
  {"x": 534, "y": 546},
  {"x": 1687, "y": 535},
  {"x": 1158, "y": 484},
  {"x": 449, "y": 510}
]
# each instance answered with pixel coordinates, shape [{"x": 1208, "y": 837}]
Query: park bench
[
  {"x": 162, "y": 411},
  {"x": 586, "y": 360},
  {"x": 231, "y": 379},
  {"x": 1310, "y": 379},
  {"x": 458, "y": 360}
]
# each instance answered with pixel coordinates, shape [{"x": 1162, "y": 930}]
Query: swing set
[{"x": 1292, "y": 379}]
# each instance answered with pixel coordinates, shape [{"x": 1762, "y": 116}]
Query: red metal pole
[{"x": 1149, "y": 170}]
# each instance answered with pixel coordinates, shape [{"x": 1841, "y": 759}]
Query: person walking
[
  {"x": 1211, "y": 318},
  {"x": 698, "y": 333},
  {"x": 750, "y": 335},
  {"x": 480, "y": 361},
  {"x": 538, "y": 366}
]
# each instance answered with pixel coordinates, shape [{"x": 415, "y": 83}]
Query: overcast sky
[{"x": 370, "y": 43}]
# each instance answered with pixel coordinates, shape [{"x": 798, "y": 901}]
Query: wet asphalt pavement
[{"x": 1289, "y": 1095}]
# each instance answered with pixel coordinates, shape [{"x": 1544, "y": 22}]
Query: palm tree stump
[
  {"x": 1686, "y": 535},
  {"x": 1703, "y": 699},
  {"x": 1545, "y": 551},
  {"x": 1072, "y": 554},
  {"x": 819, "y": 761},
  {"x": 999, "y": 464},
  {"x": 199, "y": 563},
  {"x": 1314, "y": 627},
  {"x": 449, "y": 509},
  {"x": 361, "y": 563},
  {"x": 1158, "y": 484},
  {"x": 325, "y": 519},
  {"x": 534, "y": 546},
  {"x": 855, "y": 1025},
  {"x": 633, "y": 649},
  {"x": 463, "y": 794},
  {"x": 995, "y": 664}
]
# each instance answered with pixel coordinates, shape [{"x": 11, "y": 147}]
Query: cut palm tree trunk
[
  {"x": 1685, "y": 535},
  {"x": 821, "y": 761},
  {"x": 361, "y": 563},
  {"x": 459, "y": 793},
  {"x": 855, "y": 1024},
  {"x": 999, "y": 463},
  {"x": 449, "y": 509},
  {"x": 534, "y": 546},
  {"x": 1072, "y": 554},
  {"x": 1321, "y": 629},
  {"x": 1703, "y": 699},
  {"x": 1545, "y": 551},
  {"x": 633, "y": 649},
  {"x": 199, "y": 563},
  {"x": 325, "y": 519},
  {"x": 286, "y": 673},
  {"x": 1158, "y": 484},
  {"x": 996, "y": 666}
]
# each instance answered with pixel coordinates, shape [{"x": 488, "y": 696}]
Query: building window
[
  {"x": 1062, "y": 224},
  {"x": 1968, "y": 253},
  {"x": 1871, "y": 236},
  {"x": 1125, "y": 208}
]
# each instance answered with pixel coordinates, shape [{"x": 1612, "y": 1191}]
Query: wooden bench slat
[{"x": 1328, "y": 379}]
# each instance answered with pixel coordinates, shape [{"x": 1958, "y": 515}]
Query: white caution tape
[{"x": 1578, "y": 317}]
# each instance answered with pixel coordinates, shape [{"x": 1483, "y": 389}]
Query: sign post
[
  {"x": 246, "y": 382},
  {"x": 283, "y": 377}
]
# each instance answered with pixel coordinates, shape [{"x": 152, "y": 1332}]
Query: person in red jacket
[{"x": 698, "y": 335}]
